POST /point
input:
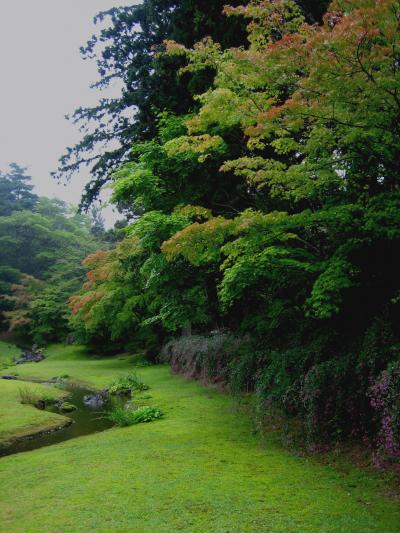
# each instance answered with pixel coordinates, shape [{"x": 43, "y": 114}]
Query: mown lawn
[{"x": 200, "y": 469}]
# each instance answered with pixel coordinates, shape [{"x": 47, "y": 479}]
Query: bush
[
  {"x": 323, "y": 387},
  {"x": 385, "y": 400},
  {"x": 122, "y": 416},
  {"x": 206, "y": 357},
  {"x": 67, "y": 407},
  {"x": 125, "y": 385}
]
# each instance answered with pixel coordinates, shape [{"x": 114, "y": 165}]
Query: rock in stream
[{"x": 97, "y": 399}]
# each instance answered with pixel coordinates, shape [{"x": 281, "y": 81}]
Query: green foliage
[
  {"x": 128, "y": 385},
  {"x": 172, "y": 169},
  {"x": 133, "y": 289},
  {"x": 67, "y": 407},
  {"x": 43, "y": 242},
  {"x": 290, "y": 153},
  {"x": 16, "y": 191},
  {"x": 123, "y": 416},
  {"x": 131, "y": 40},
  {"x": 27, "y": 395}
]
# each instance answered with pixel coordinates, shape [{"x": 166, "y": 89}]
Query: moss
[{"x": 67, "y": 407}]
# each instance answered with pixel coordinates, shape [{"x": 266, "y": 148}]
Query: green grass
[
  {"x": 19, "y": 420},
  {"x": 7, "y": 354},
  {"x": 199, "y": 469}
]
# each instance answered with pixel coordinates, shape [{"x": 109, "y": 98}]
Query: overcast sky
[{"x": 43, "y": 78}]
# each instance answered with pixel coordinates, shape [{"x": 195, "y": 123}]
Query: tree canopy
[
  {"x": 15, "y": 191},
  {"x": 264, "y": 199},
  {"x": 128, "y": 51},
  {"x": 42, "y": 245}
]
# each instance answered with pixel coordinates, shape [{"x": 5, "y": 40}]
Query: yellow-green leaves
[
  {"x": 203, "y": 146},
  {"x": 199, "y": 243}
]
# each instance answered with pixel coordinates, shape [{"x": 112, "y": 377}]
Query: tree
[
  {"x": 40, "y": 256},
  {"x": 298, "y": 133},
  {"x": 16, "y": 191},
  {"x": 97, "y": 222},
  {"x": 132, "y": 292},
  {"x": 128, "y": 51}
]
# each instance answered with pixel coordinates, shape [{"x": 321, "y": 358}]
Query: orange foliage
[{"x": 83, "y": 302}]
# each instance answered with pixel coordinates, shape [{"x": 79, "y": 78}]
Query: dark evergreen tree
[
  {"x": 97, "y": 228},
  {"x": 16, "y": 190},
  {"x": 127, "y": 50}
]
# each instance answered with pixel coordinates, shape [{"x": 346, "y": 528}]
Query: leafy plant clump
[
  {"x": 67, "y": 407},
  {"x": 123, "y": 417},
  {"x": 125, "y": 385}
]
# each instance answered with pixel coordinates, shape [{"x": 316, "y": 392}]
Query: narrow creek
[{"x": 85, "y": 421}]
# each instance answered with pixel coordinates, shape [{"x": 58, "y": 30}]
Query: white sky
[{"x": 43, "y": 78}]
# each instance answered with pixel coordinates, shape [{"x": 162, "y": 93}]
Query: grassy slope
[
  {"x": 198, "y": 470},
  {"x": 18, "y": 420}
]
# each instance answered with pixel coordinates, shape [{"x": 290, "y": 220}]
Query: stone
[
  {"x": 9, "y": 376},
  {"x": 30, "y": 356},
  {"x": 96, "y": 400},
  {"x": 40, "y": 404}
]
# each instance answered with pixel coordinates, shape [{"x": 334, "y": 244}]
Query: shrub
[
  {"x": 67, "y": 407},
  {"x": 120, "y": 387},
  {"x": 203, "y": 356},
  {"x": 385, "y": 400},
  {"x": 128, "y": 384},
  {"x": 48, "y": 398},
  {"x": 122, "y": 416},
  {"x": 141, "y": 360}
]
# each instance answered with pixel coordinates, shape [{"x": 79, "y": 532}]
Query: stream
[{"x": 85, "y": 421}]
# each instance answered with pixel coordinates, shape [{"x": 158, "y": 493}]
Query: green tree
[
  {"x": 128, "y": 51},
  {"x": 40, "y": 266},
  {"x": 297, "y": 135},
  {"x": 15, "y": 190}
]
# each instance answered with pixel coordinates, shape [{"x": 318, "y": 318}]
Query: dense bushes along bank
[{"x": 336, "y": 394}]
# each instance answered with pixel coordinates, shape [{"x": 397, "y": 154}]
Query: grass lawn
[
  {"x": 19, "y": 420},
  {"x": 200, "y": 469}
]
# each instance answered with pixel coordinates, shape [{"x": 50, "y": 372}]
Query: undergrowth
[
  {"x": 127, "y": 385},
  {"x": 123, "y": 416}
]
